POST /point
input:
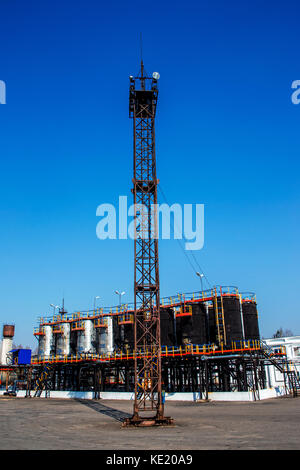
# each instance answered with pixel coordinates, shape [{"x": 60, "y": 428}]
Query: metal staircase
[
  {"x": 219, "y": 312},
  {"x": 44, "y": 381},
  {"x": 284, "y": 368},
  {"x": 294, "y": 383}
]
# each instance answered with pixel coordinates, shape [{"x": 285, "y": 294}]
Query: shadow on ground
[{"x": 105, "y": 410}]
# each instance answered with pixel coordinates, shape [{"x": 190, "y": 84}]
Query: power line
[{"x": 183, "y": 249}]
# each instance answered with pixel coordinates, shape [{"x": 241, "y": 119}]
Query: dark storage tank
[
  {"x": 117, "y": 340},
  {"x": 192, "y": 329},
  {"x": 199, "y": 324},
  {"x": 128, "y": 335},
  {"x": 123, "y": 334},
  {"x": 73, "y": 342},
  {"x": 184, "y": 328},
  {"x": 232, "y": 318},
  {"x": 212, "y": 326},
  {"x": 250, "y": 319},
  {"x": 167, "y": 327}
]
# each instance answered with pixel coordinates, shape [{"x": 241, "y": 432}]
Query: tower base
[{"x": 137, "y": 421}]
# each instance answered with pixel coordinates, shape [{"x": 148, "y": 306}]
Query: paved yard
[{"x": 39, "y": 423}]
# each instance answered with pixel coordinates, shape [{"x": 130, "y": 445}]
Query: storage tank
[
  {"x": 110, "y": 342},
  {"x": 117, "y": 340},
  {"x": 103, "y": 335},
  {"x": 232, "y": 318},
  {"x": 123, "y": 331},
  {"x": 212, "y": 325},
  {"x": 167, "y": 327},
  {"x": 90, "y": 336},
  {"x": 73, "y": 341},
  {"x": 59, "y": 339},
  {"x": 8, "y": 331},
  {"x": 184, "y": 326},
  {"x": 66, "y": 334},
  {"x": 86, "y": 338},
  {"x": 128, "y": 335},
  {"x": 250, "y": 316},
  {"x": 80, "y": 346},
  {"x": 199, "y": 323},
  {"x": 7, "y": 342},
  {"x": 192, "y": 329},
  {"x": 45, "y": 341}
]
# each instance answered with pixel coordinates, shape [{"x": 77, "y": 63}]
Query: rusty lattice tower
[{"x": 143, "y": 95}]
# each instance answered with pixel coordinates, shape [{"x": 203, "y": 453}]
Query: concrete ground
[{"x": 39, "y": 423}]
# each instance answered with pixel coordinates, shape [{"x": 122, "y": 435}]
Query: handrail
[
  {"x": 166, "y": 351},
  {"x": 170, "y": 301}
]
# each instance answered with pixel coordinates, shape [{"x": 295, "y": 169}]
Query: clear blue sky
[{"x": 227, "y": 136}]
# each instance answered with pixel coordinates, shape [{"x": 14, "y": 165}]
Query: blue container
[{"x": 21, "y": 356}]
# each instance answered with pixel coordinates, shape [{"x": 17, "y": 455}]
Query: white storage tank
[
  {"x": 89, "y": 336},
  {"x": 66, "y": 334},
  {"x": 109, "y": 339},
  {"x": 61, "y": 333},
  {"x": 86, "y": 337},
  {"x": 104, "y": 334},
  {"x": 7, "y": 342},
  {"x": 45, "y": 341}
]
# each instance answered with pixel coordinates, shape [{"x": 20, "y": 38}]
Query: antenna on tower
[
  {"x": 62, "y": 309},
  {"x": 141, "y": 47},
  {"x": 142, "y": 64}
]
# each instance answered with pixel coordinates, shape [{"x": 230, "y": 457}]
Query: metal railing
[
  {"x": 170, "y": 301},
  {"x": 166, "y": 351},
  {"x": 101, "y": 322},
  {"x": 126, "y": 318}
]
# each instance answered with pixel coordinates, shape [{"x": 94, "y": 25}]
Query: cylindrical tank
[
  {"x": 86, "y": 338},
  {"x": 193, "y": 329},
  {"x": 199, "y": 323},
  {"x": 167, "y": 331},
  {"x": 45, "y": 342},
  {"x": 184, "y": 330},
  {"x": 5, "y": 348},
  {"x": 7, "y": 342},
  {"x": 123, "y": 334},
  {"x": 250, "y": 319},
  {"x": 128, "y": 334},
  {"x": 102, "y": 337},
  {"x": 232, "y": 318},
  {"x": 73, "y": 342},
  {"x": 8, "y": 331},
  {"x": 212, "y": 325},
  {"x": 80, "y": 346},
  {"x": 66, "y": 347},
  {"x": 89, "y": 335},
  {"x": 59, "y": 339},
  {"x": 117, "y": 339},
  {"x": 109, "y": 335}
]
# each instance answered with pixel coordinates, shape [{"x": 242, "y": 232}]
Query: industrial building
[
  {"x": 291, "y": 346},
  {"x": 202, "y": 344},
  {"x": 211, "y": 317},
  {"x": 210, "y": 347}
]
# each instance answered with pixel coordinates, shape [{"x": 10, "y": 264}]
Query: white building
[{"x": 291, "y": 344}]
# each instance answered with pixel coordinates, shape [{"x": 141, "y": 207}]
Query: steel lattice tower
[{"x": 148, "y": 388}]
